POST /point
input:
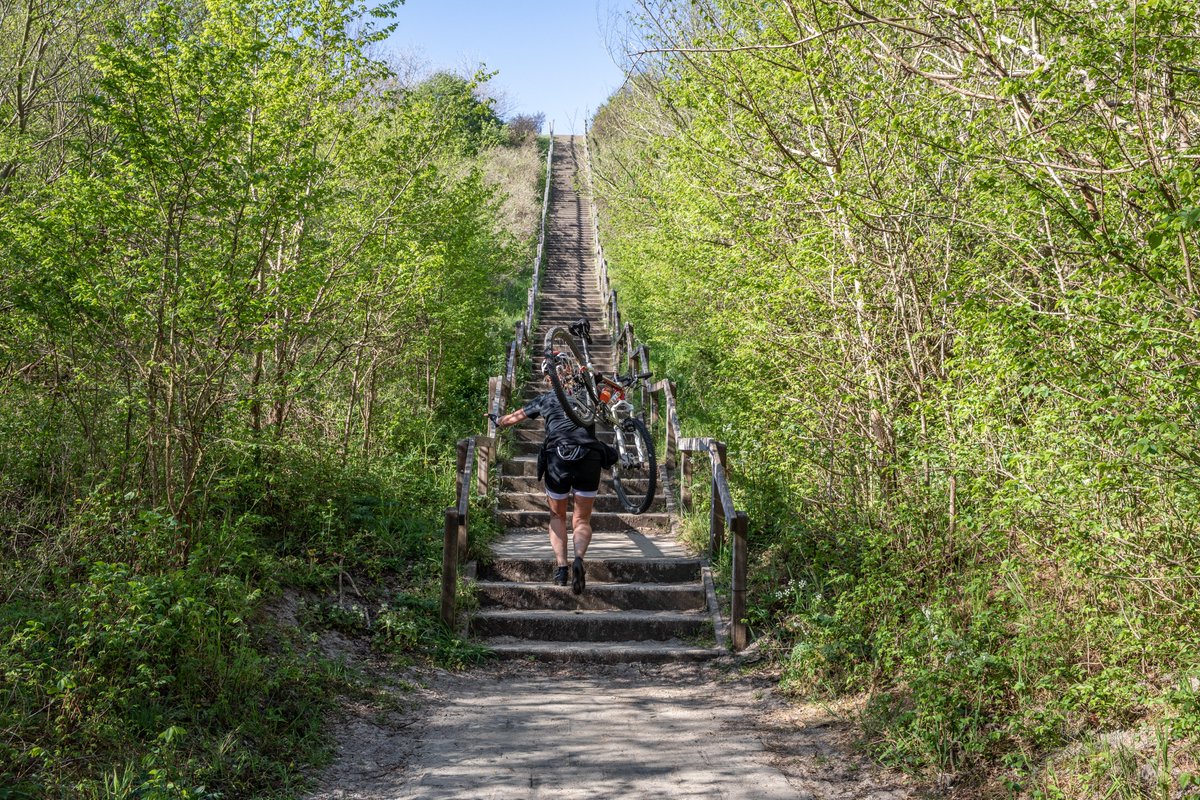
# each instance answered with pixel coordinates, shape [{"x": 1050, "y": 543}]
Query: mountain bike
[{"x": 587, "y": 396}]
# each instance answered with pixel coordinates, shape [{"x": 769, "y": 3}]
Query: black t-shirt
[{"x": 559, "y": 427}]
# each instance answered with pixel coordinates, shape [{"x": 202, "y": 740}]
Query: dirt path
[{"x": 523, "y": 730}]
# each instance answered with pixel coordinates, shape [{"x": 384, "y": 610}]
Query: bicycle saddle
[{"x": 581, "y": 328}]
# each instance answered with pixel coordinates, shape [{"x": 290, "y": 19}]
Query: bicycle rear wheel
[
  {"x": 573, "y": 384},
  {"x": 635, "y": 475}
]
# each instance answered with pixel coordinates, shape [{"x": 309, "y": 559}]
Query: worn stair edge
[
  {"x": 719, "y": 623},
  {"x": 601, "y": 520},
  {"x": 536, "y": 436},
  {"x": 608, "y": 570},
  {"x": 657, "y": 652},
  {"x": 591, "y": 626},
  {"x": 598, "y": 597},
  {"x": 525, "y": 465},
  {"x": 529, "y": 484},
  {"x": 606, "y": 502}
]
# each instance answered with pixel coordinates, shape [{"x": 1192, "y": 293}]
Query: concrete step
[
  {"x": 548, "y": 318},
  {"x": 601, "y": 520},
  {"x": 600, "y": 349},
  {"x": 531, "y": 448},
  {"x": 522, "y": 465},
  {"x": 592, "y": 626},
  {"x": 606, "y": 501},
  {"x": 532, "y": 390},
  {"x": 604, "y": 571},
  {"x": 596, "y": 597},
  {"x": 529, "y": 484},
  {"x": 526, "y": 433},
  {"x": 602, "y": 362},
  {"x": 562, "y": 298},
  {"x": 650, "y": 652}
]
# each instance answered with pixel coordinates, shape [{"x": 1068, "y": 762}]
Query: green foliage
[
  {"x": 250, "y": 293},
  {"x": 933, "y": 282},
  {"x": 465, "y": 120},
  {"x": 120, "y": 665}
]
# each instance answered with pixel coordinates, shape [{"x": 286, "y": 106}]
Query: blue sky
[{"x": 551, "y": 56}]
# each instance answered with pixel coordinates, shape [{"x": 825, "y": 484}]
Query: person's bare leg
[
  {"x": 558, "y": 529},
  {"x": 581, "y": 524}
]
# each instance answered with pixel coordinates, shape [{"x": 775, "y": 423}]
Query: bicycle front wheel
[
  {"x": 573, "y": 385},
  {"x": 635, "y": 475}
]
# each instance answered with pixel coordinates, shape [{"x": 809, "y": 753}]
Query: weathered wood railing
[
  {"x": 478, "y": 453},
  {"x": 659, "y": 398}
]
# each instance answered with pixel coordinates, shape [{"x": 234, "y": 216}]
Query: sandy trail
[{"x": 522, "y": 730}]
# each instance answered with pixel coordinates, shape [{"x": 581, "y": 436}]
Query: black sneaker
[
  {"x": 560, "y": 575},
  {"x": 577, "y": 578}
]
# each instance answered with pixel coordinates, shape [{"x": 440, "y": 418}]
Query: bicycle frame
[
  {"x": 612, "y": 407},
  {"x": 614, "y": 413}
]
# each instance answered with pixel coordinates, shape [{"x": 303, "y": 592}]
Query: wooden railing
[
  {"x": 659, "y": 398},
  {"x": 478, "y": 453}
]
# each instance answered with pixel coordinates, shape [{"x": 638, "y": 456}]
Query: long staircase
[{"x": 646, "y": 599}]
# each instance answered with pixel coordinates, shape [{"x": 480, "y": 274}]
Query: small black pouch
[
  {"x": 608, "y": 456},
  {"x": 570, "y": 453}
]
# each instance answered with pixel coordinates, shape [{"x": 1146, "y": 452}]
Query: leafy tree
[
  {"x": 932, "y": 275},
  {"x": 524, "y": 126},
  {"x": 250, "y": 300},
  {"x": 467, "y": 119}
]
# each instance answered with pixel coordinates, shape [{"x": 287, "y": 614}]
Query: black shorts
[{"x": 564, "y": 477}]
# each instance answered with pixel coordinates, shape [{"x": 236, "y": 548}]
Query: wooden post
[
  {"x": 463, "y": 490},
  {"x": 649, "y": 401},
  {"x": 485, "y": 450},
  {"x": 459, "y": 484},
  {"x": 685, "y": 480},
  {"x": 629, "y": 337},
  {"x": 449, "y": 566},
  {"x": 463, "y": 541},
  {"x": 716, "y": 518},
  {"x": 737, "y": 605},
  {"x": 720, "y": 448},
  {"x": 654, "y": 421},
  {"x": 672, "y": 443},
  {"x": 719, "y": 516},
  {"x": 493, "y": 390}
]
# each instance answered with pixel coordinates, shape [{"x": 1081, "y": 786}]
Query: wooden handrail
[
  {"x": 478, "y": 453},
  {"x": 723, "y": 515}
]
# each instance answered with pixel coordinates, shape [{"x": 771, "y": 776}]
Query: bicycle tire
[
  {"x": 636, "y": 482},
  {"x": 574, "y": 386}
]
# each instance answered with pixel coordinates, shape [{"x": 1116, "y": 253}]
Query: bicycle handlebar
[{"x": 628, "y": 380}]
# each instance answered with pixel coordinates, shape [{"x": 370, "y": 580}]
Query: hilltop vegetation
[
  {"x": 931, "y": 270},
  {"x": 250, "y": 288}
]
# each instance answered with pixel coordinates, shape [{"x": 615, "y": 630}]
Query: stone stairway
[{"x": 647, "y": 599}]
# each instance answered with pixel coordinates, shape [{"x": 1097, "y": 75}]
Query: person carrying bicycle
[{"x": 570, "y": 461}]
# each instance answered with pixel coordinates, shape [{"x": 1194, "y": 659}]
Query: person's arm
[
  {"x": 531, "y": 410},
  {"x": 508, "y": 420}
]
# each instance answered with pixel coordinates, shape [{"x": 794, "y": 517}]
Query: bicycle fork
[{"x": 623, "y": 448}]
